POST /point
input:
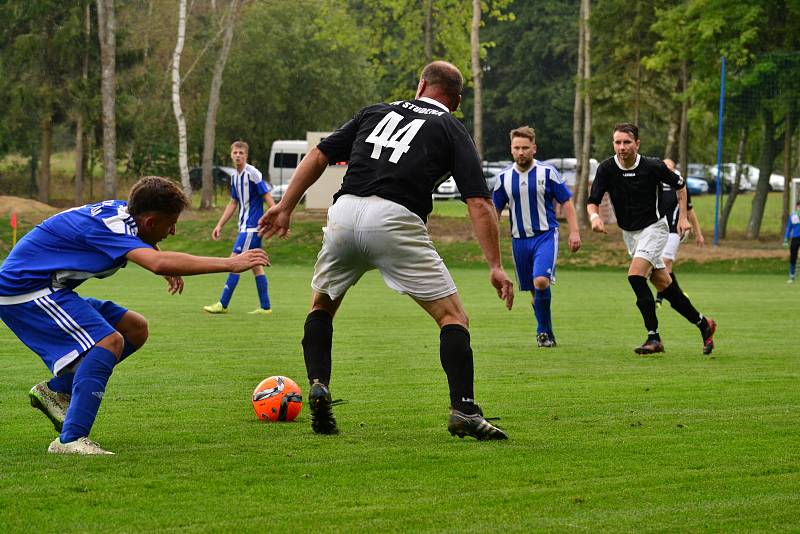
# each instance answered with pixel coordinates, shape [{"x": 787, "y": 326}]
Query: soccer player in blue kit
[
  {"x": 249, "y": 191},
  {"x": 80, "y": 339},
  {"x": 791, "y": 240},
  {"x": 529, "y": 188}
]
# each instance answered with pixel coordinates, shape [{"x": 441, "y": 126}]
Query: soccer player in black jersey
[
  {"x": 397, "y": 154},
  {"x": 670, "y": 208},
  {"x": 633, "y": 183}
]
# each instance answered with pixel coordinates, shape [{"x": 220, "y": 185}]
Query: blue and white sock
[
  {"x": 263, "y": 291},
  {"x": 227, "y": 291},
  {"x": 88, "y": 388}
]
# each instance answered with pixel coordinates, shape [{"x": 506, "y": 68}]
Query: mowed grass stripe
[{"x": 600, "y": 439}]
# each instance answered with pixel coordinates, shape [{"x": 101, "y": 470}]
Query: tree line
[{"x": 156, "y": 87}]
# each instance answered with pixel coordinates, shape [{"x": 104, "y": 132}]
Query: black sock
[
  {"x": 317, "y": 342},
  {"x": 682, "y": 305},
  {"x": 645, "y": 302},
  {"x": 456, "y": 357}
]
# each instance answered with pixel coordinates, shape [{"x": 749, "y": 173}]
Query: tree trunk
[
  {"x": 577, "y": 114},
  {"x": 768, "y": 153},
  {"x": 728, "y": 208},
  {"x": 477, "y": 75},
  {"x": 787, "y": 165},
  {"x": 107, "y": 30},
  {"x": 183, "y": 159},
  {"x": 80, "y": 135},
  {"x": 427, "y": 7},
  {"x": 584, "y": 157},
  {"x": 683, "y": 139},
  {"x": 43, "y": 177},
  {"x": 637, "y": 103},
  {"x": 671, "y": 148},
  {"x": 213, "y": 104}
]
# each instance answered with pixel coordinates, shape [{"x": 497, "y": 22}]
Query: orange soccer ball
[{"x": 277, "y": 398}]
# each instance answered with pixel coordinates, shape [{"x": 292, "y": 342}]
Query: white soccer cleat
[
  {"x": 51, "y": 403},
  {"x": 79, "y": 446}
]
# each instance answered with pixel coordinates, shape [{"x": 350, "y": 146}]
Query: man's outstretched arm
[
  {"x": 180, "y": 264},
  {"x": 484, "y": 223}
]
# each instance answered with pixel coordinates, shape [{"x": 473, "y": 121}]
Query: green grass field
[{"x": 600, "y": 439}]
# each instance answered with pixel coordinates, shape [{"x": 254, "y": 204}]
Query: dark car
[{"x": 221, "y": 177}]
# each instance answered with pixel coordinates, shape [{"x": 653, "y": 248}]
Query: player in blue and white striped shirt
[
  {"x": 530, "y": 188},
  {"x": 791, "y": 240},
  {"x": 249, "y": 191},
  {"x": 81, "y": 340}
]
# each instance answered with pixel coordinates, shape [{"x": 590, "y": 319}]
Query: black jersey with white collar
[
  {"x": 671, "y": 207},
  {"x": 402, "y": 151},
  {"x": 635, "y": 192}
]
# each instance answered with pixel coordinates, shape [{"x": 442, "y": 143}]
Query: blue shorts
[
  {"x": 246, "y": 241},
  {"x": 61, "y": 326},
  {"x": 535, "y": 256}
]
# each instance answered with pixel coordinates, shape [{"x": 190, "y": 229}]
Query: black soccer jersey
[
  {"x": 635, "y": 193},
  {"x": 670, "y": 206},
  {"x": 402, "y": 151}
]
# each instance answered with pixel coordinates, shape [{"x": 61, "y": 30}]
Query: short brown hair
[
  {"x": 446, "y": 76},
  {"x": 523, "y": 131},
  {"x": 628, "y": 128},
  {"x": 240, "y": 144},
  {"x": 154, "y": 193}
]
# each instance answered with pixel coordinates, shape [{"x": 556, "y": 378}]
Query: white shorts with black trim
[
  {"x": 671, "y": 250},
  {"x": 365, "y": 233},
  {"x": 648, "y": 243}
]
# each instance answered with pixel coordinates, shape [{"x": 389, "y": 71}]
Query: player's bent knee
[
  {"x": 134, "y": 327},
  {"x": 541, "y": 282},
  {"x": 113, "y": 343}
]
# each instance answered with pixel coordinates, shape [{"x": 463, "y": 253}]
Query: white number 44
[{"x": 385, "y": 136}]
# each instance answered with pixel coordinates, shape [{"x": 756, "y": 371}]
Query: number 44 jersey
[{"x": 402, "y": 151}]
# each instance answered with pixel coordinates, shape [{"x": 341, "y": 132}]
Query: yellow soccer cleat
[
  {"x": 215, "y": 308},
  {"x": 261, "y": 311}
]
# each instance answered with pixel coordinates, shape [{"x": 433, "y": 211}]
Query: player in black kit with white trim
[
  {"x": 397, "y": 154},
  {"x": 633, "y": 183}
]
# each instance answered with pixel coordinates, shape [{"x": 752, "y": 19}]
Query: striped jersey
[
  {"x": 248, "y": 189},
  {"x": 70, "y": 247},
  {"x": 529, "y": 196}
]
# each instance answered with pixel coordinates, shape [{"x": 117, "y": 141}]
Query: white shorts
[
  {"x": 365, "y": 233},
  {"x": 671, "y": 250},
  {"x": 648, "y": 243}
]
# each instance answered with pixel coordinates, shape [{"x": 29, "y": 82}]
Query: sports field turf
[{"x": 600, "y": 439}]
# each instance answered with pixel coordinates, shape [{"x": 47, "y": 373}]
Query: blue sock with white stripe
[
  {"x": 62, "y": 383},
  {"x": 88, "y": 388},
  {"x": 227, "y": 291},
  {"x": 541, "y": 308},
  {"x": 263, "y": 290}
]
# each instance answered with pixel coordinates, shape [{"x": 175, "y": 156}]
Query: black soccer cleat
[
  {"x": 461, "y": 424},
  {"x": 319, "y": 401},
  {"x": 708, "y": 335},
  {"x": 545, "y": 340},
  {"x": 651, "y": 346}
]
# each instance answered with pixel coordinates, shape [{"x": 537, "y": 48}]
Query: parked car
[
  {"x": 748, "y": 182},
  {"x": 696, "y": 186},
  {"x": 567, "y": 167},
  {"x": 446, "y": 189},
  {"x": 221, "y": 177},
  {"x": 776, "y": 182}
]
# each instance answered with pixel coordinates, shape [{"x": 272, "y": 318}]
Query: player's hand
[
  {"x": 215, "y": 233},
  {"x": 785, "y": 243},
  {"x": 598, "y": 226},
  {"x": 574, "y": 241},
  {"x": 248, "y": 259},
  {"x": 684, "y": 227},
  {"x": 503, "y": 285},
  {"x": 700, "y": 240},
  {"x": 276, "y": 221},
  {"x": 175, "y": 284}
]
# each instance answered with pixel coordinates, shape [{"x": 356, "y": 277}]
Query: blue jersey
[
  {"x": 529, "y": 196},
  {"x": 248, "y": 188},
  {"x": 793, "y": 226},
  {"x": 71, "y": 247}
]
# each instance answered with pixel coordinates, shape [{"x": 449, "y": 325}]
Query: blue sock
[
  {"x": 128, "y": 349},
  {"x": 792, "y": 268},
  {"x": 263, "y": 291},
  {"x": 62, "y": 383},
  {"x": 227, "y": 291},
  {"x": 87, "y": 392},
  {"x": 541, "y": 307}
]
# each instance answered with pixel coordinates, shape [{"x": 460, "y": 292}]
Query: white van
[{"x": 284, "y": 156}]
